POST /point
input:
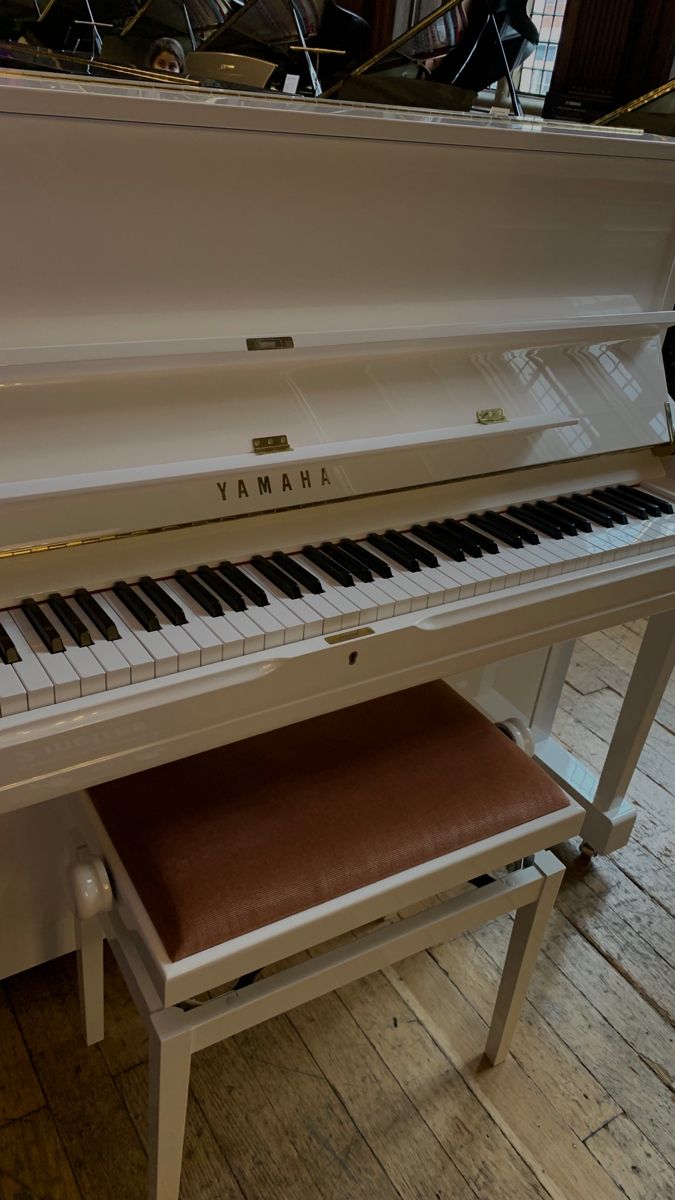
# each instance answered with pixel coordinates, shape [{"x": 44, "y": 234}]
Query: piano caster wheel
[
  {"x": 90, "y": 886},
  {"x": 519, "y": 733},
  {"x": 587, "y": 852}
]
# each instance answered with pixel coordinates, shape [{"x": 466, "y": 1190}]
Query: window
[{"x": 536, "y": 72}]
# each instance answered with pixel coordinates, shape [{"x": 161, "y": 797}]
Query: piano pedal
[{"x": 586, "y": 851}]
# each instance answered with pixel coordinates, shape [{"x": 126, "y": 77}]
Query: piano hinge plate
[
  {"x": 271, "y": 445},
  {"x": 490, "y": 416}
]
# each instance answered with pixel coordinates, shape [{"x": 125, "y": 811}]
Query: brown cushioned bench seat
[{"x": 236, "y": 838}]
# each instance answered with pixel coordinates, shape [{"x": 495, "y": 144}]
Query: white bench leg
[
  {"x": 170, "y": 1055},
  {"x": 90, "y": 978},
  {"x": 528, "y": 930}
]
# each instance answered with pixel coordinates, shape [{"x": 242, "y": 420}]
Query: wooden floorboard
[{"x": 380, "y": 1090}]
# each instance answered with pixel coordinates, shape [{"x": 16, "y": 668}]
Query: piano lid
[{"x": 191, "y": 271}]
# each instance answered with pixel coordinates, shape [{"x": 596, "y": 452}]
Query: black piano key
[
  {"x": 506, "y": 523},
  {"x": 528, "y": 515},
  {"x": 508, "y": 536},
  {"x": 664, "y": 506},
  {"x": 42, "y": 626},
  {"x": 137, "y": 606},
  {"x": 608, "y": 506},
  {"x": 298, "y": 572},
  {"x": 346, "y": 560},
  {"x": 402, "y": 557},
  {"x": 578, "y": 505},
  {"x": 454, "y": 546},
  {"x": 570, "y": 523},
  {"x": 161, "y": 600},
  {"x": 434, "y": 536},
  {"x": 276, "y": 576},
  {"x": 199, "y": 593},
  {"x": 70, "y": 620},
  {"x": 632, "y": 507},
  {"x": 377, "y": 565},
  {"x": 8, "y": 651},
  {"x": 97, "y": 615},
  {"x": 469, "y": 540},
  {"x": 327, "y": 565},
  {"x": 423, "y": 556},
  {"x": 221, "y": 587},
  {"x": 243, "y": 583}
]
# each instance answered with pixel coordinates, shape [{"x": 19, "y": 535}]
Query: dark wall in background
[{"x": 610, "y": 52}]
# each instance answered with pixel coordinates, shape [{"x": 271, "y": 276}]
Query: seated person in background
[{"x": 166, "y": 54}]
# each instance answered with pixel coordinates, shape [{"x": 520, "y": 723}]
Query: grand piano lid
[{"x": 187, "y": 273}]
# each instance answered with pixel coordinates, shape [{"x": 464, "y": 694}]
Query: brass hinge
[
  {"x": 490, "y": 416},
  {"x": 271, "y": 445}
]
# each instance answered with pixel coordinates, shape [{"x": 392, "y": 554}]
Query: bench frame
[{"x": 158, "y": 986}]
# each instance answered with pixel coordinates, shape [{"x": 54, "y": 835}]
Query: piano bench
[{"x": 207, "y": 870}]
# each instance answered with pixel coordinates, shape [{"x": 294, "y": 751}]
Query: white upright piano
[{"x": 304, "y": 403}]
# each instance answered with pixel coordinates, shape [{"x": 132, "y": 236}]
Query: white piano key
[
  {"x": 161, "y": 652},
  {"x": 345, "y": 599},
  {"x": 384, "y": 605},
  {"x": 13, "y": 695},
  {"x": 411, "y": 583},
  {"x": 178, "y": 638},
  {"x": 231, "y": 641},
  {"x": 254, "y": 638},
  {"x": 65, "y": 679},
  {"x": 295, "y": 617},
  {"x": 140, "y": 662},
  {"x": 331, "y": 617},
  {"x": 401, "y": 597},
  {"x": 265, "y": 619},
  {"x": 210, "y": 645},
  {"x": 36, "y": 681},
  {"x": 81, "y": 659},
  {"x": 452, "y": 570},
  {"x": 116, "y": 668},
  {"x": 187, "y": 650}
]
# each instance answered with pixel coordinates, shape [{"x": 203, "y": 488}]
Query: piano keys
[
  {"x": 467, "y": 448},
  {"x": 313, "y": 591}
]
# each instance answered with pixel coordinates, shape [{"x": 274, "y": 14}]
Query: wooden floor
[{"x": 378, "y": 1091}]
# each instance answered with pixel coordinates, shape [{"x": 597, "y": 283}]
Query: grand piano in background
[
  {"x": 384, "y": 374},
  {"x": 451, "y": 53}
]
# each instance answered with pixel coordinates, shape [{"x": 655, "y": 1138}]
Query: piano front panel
[{"x": 436, "y": 222}]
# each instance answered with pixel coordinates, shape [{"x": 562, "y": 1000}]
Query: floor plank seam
[
  {"x": 604, "y": 1125},
  {"x": 639, "y": 987},
  {"x": 398, "y": 1085}
]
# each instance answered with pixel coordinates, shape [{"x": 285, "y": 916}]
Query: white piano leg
[
  {"x": 609, "y": 817},
  {"x": 90, "y": 978}
]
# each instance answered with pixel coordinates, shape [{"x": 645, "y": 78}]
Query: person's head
[{"x": 166, "y": 54}]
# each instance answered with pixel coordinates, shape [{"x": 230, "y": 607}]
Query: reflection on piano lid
[
  {"x": 18, "y": 56},
  {"x": 452, "y": 413},
  {"x": 654, "y": 112},
  {"x": 65, "y": 24},
  {"x": 452, "y": 45},
  {"x": 281, "y": 25},
  {"x": 184, "y": 19}
]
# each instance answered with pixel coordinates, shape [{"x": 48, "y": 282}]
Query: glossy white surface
[{"x": 427, "y": 266}]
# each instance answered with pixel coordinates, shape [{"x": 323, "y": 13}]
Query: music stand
[{"x": 232, "y": 69}]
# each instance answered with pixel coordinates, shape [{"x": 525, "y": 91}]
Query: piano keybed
[{"x": 61, "y": 648}]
